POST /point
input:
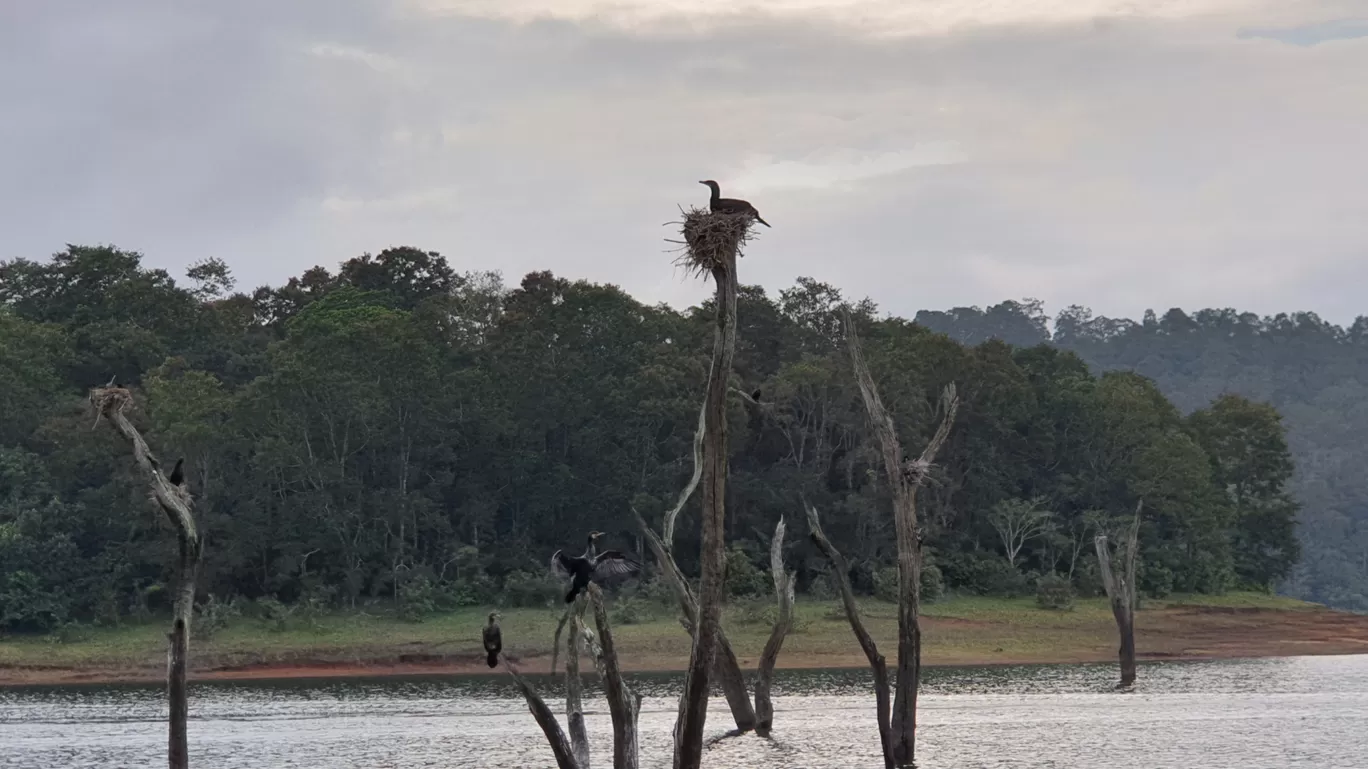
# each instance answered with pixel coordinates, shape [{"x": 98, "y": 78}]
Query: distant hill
[{"x": 1315, "y": 373}]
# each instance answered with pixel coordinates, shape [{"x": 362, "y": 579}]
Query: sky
[{"x": 1119, "y": 154}]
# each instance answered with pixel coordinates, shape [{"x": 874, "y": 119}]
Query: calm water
[{"x": 1271, "y": 714}]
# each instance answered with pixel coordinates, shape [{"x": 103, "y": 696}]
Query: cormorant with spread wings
[{"x": 592, "y": 566}]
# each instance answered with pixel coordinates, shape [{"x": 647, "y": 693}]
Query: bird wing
[
  {"x": 613, "y": 563},
  {"x": 558, "y": 565}
]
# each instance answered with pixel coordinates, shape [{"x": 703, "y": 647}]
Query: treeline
[
  {"x": 1315, "y": 373},
  {"x": 397, "y": 429}
]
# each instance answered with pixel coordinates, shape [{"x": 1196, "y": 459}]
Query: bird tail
[
  {"x": 762, "y": 221},
  {"x": 493, "y": 659}
]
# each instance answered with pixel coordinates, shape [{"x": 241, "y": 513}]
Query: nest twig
[
  {"x": 712, "y": 241},
  {"x": 108, "y": 400}
]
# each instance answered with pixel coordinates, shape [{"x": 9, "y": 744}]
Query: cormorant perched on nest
[
  {"x": 493, "y": 640},
  {"x": 580, "y": 570},
  {"x": 719, "y": 204},
  {"x": 177, "y": 476}
]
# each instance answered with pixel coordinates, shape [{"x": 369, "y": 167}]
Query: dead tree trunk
[
  {"x": 1120, "y": 587},
  {"x": 175, "y": 501},
  {"x": 574, "y": 690},
  {"x": 877, "y": 664},
  {"x": 623, "y": 705},
  {"x": 904, "y": 477},
  {"x": 560, "y": 747},
  {"x": 693, "y": 705},
  {"x": 783, "y": 594}
]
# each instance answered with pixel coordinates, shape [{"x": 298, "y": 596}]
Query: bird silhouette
[
  {"x": 493, "y": 640},
  {"x": 755, "y": 396},
  {"x": 590, "y": 566},
  {"x": 719, "y": 204},
  {"x": 110, "y": 383},
  {"x": 177, "y": 476}
]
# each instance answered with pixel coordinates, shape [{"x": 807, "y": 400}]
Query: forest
[{"x": 397, "y": 431}]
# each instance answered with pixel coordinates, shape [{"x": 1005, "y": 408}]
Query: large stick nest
[
  {"x": 110, "y": 400},
  {"x": 712, "y": 240}
]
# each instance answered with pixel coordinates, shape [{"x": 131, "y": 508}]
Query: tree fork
[{"x": 904, "y": 477}]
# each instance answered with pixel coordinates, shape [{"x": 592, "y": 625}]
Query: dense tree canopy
[{"x": 351, "y": 435}]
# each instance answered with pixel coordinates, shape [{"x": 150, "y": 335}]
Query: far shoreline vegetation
[
  {"x": 958, "y": 631},
  {"x": 398, "y": 433}
]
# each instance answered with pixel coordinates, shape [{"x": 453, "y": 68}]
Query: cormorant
[
  {"x": 718, "y": 203},
  {"x": 755, "y": 396},
  {"x": 493, "y": 640},
  {"x": 177, "y": 476},
  {"x": 590, "y": 566}
]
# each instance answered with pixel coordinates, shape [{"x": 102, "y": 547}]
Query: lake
[{"x": 1251, "y": 714}]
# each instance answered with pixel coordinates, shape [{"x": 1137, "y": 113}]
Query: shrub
[
  {"x": 275, "y": 614},
  {"x": 743, "y": 580},
  {"x": 214, "y": 615},
  {"x": 631, "y": 610},
  {"x": 886, "y": 583},
  {"x": 1054, "y": 592},
  {"x": 932, "y": 583},
  {"x": 821, "y": 588},
  {"x": 522, "y": 588},
  {"x": 417, "y": 599}
]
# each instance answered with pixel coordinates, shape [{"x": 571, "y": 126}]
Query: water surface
[{"x": 1288, "y": 713}]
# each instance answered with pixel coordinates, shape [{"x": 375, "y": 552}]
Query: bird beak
[{"x": 702, "y": 182}]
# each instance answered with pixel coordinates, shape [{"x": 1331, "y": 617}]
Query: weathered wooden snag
[{"x": 1119, "y": 582}]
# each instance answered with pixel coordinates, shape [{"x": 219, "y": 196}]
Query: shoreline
[
  {"x": 968, "y": 632},
  {"x": 269, "y": 672}
]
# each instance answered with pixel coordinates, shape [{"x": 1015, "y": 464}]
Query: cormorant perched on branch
[
  {"x": 177, "y": 476},
  {"x": 493, "y": 640},
  {"x": 755, "y": 396},
  {"x": 590, "y": 566},
  {"x": 717, "y": 203}
]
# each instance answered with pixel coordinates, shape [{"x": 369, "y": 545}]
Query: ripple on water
[{"x": 1280, "y": 713}]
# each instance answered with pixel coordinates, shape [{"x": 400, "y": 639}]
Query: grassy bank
[{"x": 966, "y": 630}]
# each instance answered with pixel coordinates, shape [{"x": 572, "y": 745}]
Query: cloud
[{"x": 1119, "y": 155}]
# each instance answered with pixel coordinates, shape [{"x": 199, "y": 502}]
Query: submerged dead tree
[
  {"x": 904, "y": 478},
  {"x": 173, "y": 499},
  {"x": 713, "y": 243},
  {"x": 624, "y": 705},
  {"x": 783, "y": 593},
  {"x": 1119, "y": 582}
]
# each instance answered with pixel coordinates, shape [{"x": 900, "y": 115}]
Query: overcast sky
[{"x": 1121, "y": 154}]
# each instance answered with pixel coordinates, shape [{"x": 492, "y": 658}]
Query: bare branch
[
  {"x": 877, "y": 665},
  {"x": 783, "y": 593},
  {"x": 622, "y": 706},
  {"x": 673, "y": 513},
  {"x": 574, "y": 708},
  {"x": 560, "y": 747}
]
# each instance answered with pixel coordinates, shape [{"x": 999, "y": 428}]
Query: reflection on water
[{"x": 1274, "y": 714}]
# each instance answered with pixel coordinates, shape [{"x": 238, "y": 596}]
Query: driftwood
[
  {"x": 877, "y": 665},
  {"x": 623, "y": 705},
  {"x": 110, "y": 402},
  {"x": 783, "y": 593},
  {"x": 714, "y": 243},
  {"x": 1120, "y": 586},
  {"x": 560, "y": 747},
  {"x": 904, "y": 478},
  {"x": 574, "y": 691}
]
